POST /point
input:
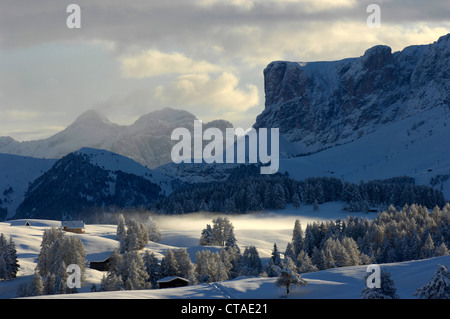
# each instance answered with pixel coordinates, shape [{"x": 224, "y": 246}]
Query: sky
[{"x": 207, "y": 57}]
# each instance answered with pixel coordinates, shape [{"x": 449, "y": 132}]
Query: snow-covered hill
[
  {"x": 91, "y": 180},
  {"x": 261, "y": 230},
  {"x": 114, "y": 162}
]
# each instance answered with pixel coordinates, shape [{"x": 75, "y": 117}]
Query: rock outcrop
[{"x": 321, "y": 104}]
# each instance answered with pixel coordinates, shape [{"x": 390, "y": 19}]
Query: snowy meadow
[{"x": 261, "y": 230}]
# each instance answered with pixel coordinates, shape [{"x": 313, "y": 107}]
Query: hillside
[
  {"x": 16, "y": 173},
  {"x": 259, "y": 230},
  {"x": 90, "y": 181}
]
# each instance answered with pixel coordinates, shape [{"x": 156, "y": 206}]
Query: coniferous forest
[{"x": 245, "y": 191}]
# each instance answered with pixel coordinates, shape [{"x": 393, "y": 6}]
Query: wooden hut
[
  {"x": 100, "y": 265},
  {"x": 172, "y": 282},
  {"x": 74, "y": 226}
]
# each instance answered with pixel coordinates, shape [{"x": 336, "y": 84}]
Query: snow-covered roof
[
  {"x": 72, "y": 223},
  {"x": 171, "y": 278}
]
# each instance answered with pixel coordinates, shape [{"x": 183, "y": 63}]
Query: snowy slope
[
  {"x": 114, "y": 162},
  {"x": 261, "y": 230},
  {"x": 16, "y": 172},
  {"x": 416, "y": 147}
]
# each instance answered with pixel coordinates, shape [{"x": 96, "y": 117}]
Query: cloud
[
  {"x": 206, "y": 55},
  {"x": 202, "y": 92},
  {"x": 153, "y": 62}
]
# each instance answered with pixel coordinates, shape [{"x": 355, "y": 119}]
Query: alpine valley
[{"x": 380, "y": 117}]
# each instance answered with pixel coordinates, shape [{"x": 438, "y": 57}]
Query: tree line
[
  {"x": 245, "y": 191},
  {"x": 393, "y": 236}
]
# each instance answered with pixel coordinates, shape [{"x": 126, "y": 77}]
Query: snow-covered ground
[
  {"x": 415, "y": 147},
  {"x": 261, "y": 230}
]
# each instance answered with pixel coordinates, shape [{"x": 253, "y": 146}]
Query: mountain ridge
[
  {"x": 146, "y": 141},
  {"x": 325, "y": 103}
]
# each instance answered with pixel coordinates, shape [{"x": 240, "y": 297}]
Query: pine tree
[
  {"x": 296, "y": 200},
  {"x": 438, "y": 287},
  {"x": 8, "y": 258},
  {"x": 289, "y": 276},
  {"x": 121, "y": 234},
  {"x": 235, "y": 259},
  {"x": 289, "y": 252},
  {"x": 36, "y": 286},
  {"x": 111, "y": 282},
  {"x": 275, "y": 257},
  {"x": 387, "y": 288},
  {"x": 152, "y": 267},
  {"x": 185, "y": 265},
  {"x": 297, "y": 237},
  {"x": 49, "y": 284},
  {"x": 134, "y": 274},
  {"x": 152, "y": 229},
  {"x": 61, "y": 278},
  {"x": 442, "y": 250},
  {"x": 210, "y": 267},
  {"x": 304, "y": 263},
  {"x": 251, "y": 263},
  {"x": 47, "y": 251},
  {"x": 169, "y": 265},
  {"x": 428, "y": 249},
  {"x": 206, "y": 238},
  {"x": 11, "y": 260},
  {"x": 253, "y": 200}
]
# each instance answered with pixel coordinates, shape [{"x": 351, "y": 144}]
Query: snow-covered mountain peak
[
  {"x": 146, "y": 141},
  {"x": 91, "y": 118}
]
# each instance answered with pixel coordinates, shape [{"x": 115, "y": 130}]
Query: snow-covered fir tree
[
  {"x": 296, "y": 200},
  {"x": 57, "y": 252},
  {"x": 251, "y": 262},
  {"x": 387, "y": 288},
  {"x": 210, "y": 267},
  {"x": 152, "y": 267},
  {"x": 289, "y": 276},
  {"x": 207, "y": 238},
  {"x": 273, "y": 267},
  {"x": 297, "y": 237},
  {"x": 134, "y": 274},
  {"x": 220, "y": 234},
  {"x": 186, "y": 268},
  {"x": 9, "y": 264},
  {"x": 305, "y": 263},
  {"x": 134, "y": 235},
  {"x": 169, "y": 264},
  {"x": 438, "y": 287},
  {"x": 36, "y": 287}
]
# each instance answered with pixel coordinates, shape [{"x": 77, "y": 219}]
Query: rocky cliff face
[{"x": 320, "y": 104}]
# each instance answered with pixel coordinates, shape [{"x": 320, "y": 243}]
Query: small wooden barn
[
  {"x": 74, "y": 226},
  {"x": 172, "y": 282}
]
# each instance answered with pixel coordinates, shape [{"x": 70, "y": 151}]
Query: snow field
[{"x": 261, "y": 230}]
